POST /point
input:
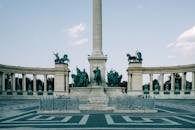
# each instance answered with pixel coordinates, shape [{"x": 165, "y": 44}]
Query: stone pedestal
[
  {"x": 97, "y": 100},
  {"x": 61, "y": 82},
  {"x": 100, "y": 62},
  {"x": 135, "y": 79}
]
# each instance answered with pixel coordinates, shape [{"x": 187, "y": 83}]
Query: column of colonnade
[
  {"x": 172, "y": 82},
  {"x": 183, "y": 83},
  {"x": 193, "y": 82},
  {"x": 151, "y": 82},
  {"x": 161, "y": 82},
  {"x": 24, "y": 89}
]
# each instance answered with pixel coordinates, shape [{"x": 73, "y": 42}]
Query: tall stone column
[
  {"x": 34, "y": 83},
  {"x": 151, "y": 82},
  {"x": 97, "y": 27},
  {"x": 97, "y": 59},
  {"x": 45, "y": 83}
]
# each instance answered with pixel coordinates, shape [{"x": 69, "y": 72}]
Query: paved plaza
[{"x": 22, "y": 114}]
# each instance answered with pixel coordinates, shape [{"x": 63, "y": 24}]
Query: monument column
[
  {"x": 97, "y": 59},
  {"x": 97, "y": 27}
]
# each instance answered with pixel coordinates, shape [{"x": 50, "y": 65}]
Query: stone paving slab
[{"x": 26, "y": 117}]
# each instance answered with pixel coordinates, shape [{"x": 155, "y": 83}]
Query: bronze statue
[
  {"x": 57, "y": 57},
  {"x": 80, "y": 79},
  {"x": 9, "y": 82},
  {"x": 139, "y": 56},
  {"x": 114, "y": 79},
  {"x": 131, "y": 58},
  {"x": 62, "y": 60},
  {"x": 156, "y": 86},
  {"x": 97, "y": 76},
  {"x": 146, "y": 87},
  {"x": 135, "y": 59}
]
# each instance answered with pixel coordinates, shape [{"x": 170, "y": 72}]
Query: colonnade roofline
[
  {"x": 165, "y": 69},
  {"x": 26, "y": 70}
]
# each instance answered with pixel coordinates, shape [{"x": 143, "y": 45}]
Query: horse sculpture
[
  {"x": 64, "y": 59},
  {"x": 59, "y": 60},
  {"x": 131, "y": 58},
  {"x": 136, "y": 58}
]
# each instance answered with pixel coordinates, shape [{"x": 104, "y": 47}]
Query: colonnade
[
  {"x": 11, "y": 80},
  {"x": 162, "y": 81},
  {"x": 9, "y": 85},
  {"x": 135, "y": 79}
]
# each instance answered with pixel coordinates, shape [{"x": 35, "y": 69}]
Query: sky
[{"x": 32, "y": 30}]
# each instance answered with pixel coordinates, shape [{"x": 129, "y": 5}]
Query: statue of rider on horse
[
  {"x": 62, "y": 60},
  {"x": 135, "y": 59}
]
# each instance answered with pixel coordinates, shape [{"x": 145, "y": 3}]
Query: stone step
[{"x": 96, "y": 108}]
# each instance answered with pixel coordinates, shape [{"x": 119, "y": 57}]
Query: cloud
[
  {"x": 170, "y": 45},
  {"x": 185, "y": 43},
  {"x": 76, "y": 30},
  {"x": 77, "y": 34}
]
